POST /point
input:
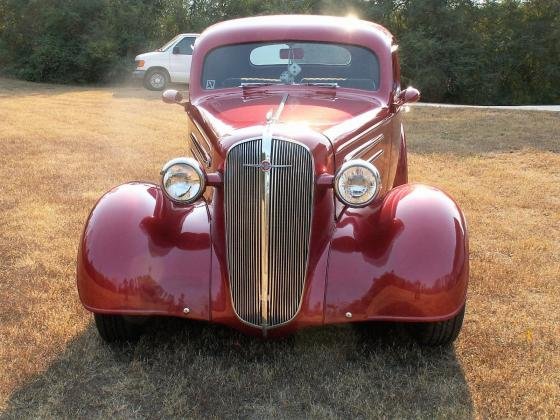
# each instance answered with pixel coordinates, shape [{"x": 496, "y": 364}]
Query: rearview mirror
[
  {"x": 172, "y": 96},
  {"x": 408, "y": 96}
]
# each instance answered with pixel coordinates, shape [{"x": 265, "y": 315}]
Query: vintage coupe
[{"x": 295, "y": 208}]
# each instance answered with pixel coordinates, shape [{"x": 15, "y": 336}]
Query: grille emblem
[{"x": 265, "y": 165}]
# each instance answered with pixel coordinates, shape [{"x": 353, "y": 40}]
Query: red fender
[
  {"x": 406, "y": 259},
  {"x": 142, "y": 255}
]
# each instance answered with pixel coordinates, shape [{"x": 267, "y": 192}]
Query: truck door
[{"x": 180, "y": 60}]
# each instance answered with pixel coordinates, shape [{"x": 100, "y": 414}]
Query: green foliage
[{"x": 468, "y": 51}]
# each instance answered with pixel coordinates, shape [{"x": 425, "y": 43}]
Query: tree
[{"x": 469, "y": 51}]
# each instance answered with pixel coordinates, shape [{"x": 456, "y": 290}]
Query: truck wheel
[
  {"x": 437, "y": 333},
  {"x": 118, "y": 328},
  {"x": 156, "y": 79}
]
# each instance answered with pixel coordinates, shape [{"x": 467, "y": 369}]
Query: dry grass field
[{"x": 61, "y": 147}]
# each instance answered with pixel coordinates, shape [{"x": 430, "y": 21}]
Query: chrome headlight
[
  {"x": 357, "y": 183},
  {"x": 183, "y": 180}
]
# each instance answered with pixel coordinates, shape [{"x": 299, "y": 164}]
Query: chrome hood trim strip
[{"x": 266, "y": 153}]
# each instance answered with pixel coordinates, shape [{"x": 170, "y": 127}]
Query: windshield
[
  {"x": 294, "y": 62},
  {"x": 169, "y": 44}
]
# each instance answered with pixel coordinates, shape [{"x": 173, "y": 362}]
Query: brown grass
[{"x": 62, "y": 147}]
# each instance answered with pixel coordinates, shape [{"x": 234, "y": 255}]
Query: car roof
[{"x": 293, "y": 25}]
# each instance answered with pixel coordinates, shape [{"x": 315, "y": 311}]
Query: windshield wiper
[
  {"x": 256, "y": 84},
  {"x": 320, "y": 84}
]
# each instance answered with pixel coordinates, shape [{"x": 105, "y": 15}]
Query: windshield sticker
[{"x": 210, "y": 84}]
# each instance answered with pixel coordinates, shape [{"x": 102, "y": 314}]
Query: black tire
[
  {"x": 156, "y": 79},
  {"x": 437, "y": 333},
  {"x": 113, "y": 328}
]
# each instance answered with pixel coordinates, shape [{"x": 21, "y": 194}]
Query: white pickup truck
[{"x": 168, "y": 64}]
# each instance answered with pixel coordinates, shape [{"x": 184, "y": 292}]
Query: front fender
[
  {"x": 405, "y": 259},
  {"x": 142, "y": 255}
]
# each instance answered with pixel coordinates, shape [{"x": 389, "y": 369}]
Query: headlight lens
[
  {"x": 183, "y": 180},
  {"x": 357, "y": 183}
]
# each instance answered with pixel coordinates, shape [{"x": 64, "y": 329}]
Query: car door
[{"x": 180, "y": 60}]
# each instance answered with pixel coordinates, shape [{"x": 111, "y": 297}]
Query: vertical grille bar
[{"x": 289, "y": 224}]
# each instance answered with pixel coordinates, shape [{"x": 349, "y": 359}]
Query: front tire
[
  {"x": 156, "y": 79},
  {"x": 113, "y": 328},
  {"x": 440, "y": 333}
]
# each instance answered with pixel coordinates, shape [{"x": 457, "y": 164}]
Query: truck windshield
[
  {"x": 294, "y": 62},
  {"x": 169, "y": 44}
]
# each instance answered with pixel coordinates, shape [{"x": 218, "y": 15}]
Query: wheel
[
  {"x": 118, "y": 328},
  {"x": 156, "y": 79},
  {"x": 437, "y": 333}
]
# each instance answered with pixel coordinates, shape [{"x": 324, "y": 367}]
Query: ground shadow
[{"x": 194, "y": 369}]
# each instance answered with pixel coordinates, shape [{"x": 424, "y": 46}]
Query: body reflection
[
  {"x": 145, "y": 255},
  {"x": 409, "y": 257}
]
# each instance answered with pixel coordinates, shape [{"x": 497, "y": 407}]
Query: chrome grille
[
  {"x": 242, "y": 187},
  {"x": 290, "y": 197}
]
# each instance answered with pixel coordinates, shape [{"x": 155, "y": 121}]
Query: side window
[{"x": 186, "y": 45}]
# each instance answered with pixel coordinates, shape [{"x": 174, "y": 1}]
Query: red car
[{"x": 295, "y": 208}]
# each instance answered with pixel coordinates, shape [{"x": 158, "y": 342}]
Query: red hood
[{"x": 321, "y": 111}]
